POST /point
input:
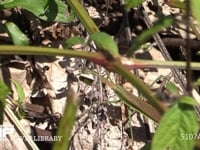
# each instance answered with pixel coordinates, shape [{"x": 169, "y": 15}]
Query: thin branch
[{"x": 188, "y": 48}]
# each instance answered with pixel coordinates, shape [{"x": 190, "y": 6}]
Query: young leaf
[
  {"x": 188, "y": 100},
  {"x": 175, "y": 127},
  {"x": 20, "y": 91},
  {"x": 17, "y": 36},
  {"x": 105, "y": 43},
  {"x": 3, "y": 93},
  {"x": 20, "y": 113},
  {"x": 172, "y": 88},
  {"x": 48, "y": 10},
  {"x": 19, "y": 103},
  {"x": 133, "y": 3},
  {"x": 72, "y": 41},
  {"x": 197, "y": 82}
]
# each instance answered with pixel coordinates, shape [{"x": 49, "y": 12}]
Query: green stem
[
  {"x": 140, "y": 85},
  {"x": 134, "y": 102},
  {"x": 67, "y": 121},
  {"x": 141, "y": 63},
  {"x": 129, "y": 63},
  {"x": 83, "y": 16},
  {"x": 31, "y": 50}
]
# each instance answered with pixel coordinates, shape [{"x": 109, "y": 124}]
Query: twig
[
  {"x": 176, "y": 42},
  {"x": 126, "y": 22},
  {"x": 188, "y": 49}
]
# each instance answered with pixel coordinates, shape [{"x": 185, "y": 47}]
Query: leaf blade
[
  {"x": 105, "y": 43},
  {"x": 72, "y": 41},
  {"x": 179, "y": 121},
  {"x": 20, "y": 91},
  {"x": 133, "y": 3},
  {"x": 17, "y": 36},
  {"x": 48, "y": 10}
]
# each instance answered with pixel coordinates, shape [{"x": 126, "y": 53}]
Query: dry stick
[
  {"x": 163, "y": 49},
  {"x": 126, "y": 23},
  {"x": 188, "y": 56},
  {"x": 176, "y": 42},
  {"x": 188, "y": 49}
]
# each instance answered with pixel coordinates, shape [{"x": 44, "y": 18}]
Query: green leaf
[
  {"x": 72, "y": 41},
  {"x": 3, "y": 93},
  {"x": 20, "y": 91},
  {"x": 20, "y": 113},
  {"x": 188, "y": 100},
  {"x": 195, "y": 4},
  {"x": 172, "y": 88},
  {"x": 21, "y": 96},
  {"x": 175, "y": 127},
  {"x": 48, "y": 10},
  {"x": 145, "y": 35},
  {"x": 3, "y": 90},
  {"x": 133, "y": 3},
  {"x": 18, "y": 37},
  {"x": 105, "y": 43},
  {"x": 197, "y": 82}
]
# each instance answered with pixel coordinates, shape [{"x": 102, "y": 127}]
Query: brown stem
[{"x": 176, "y": 42}]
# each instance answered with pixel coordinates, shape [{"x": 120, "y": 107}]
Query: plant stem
[
  {"x": 145, "y": 91},
  {"x": 143, "y": 63},
  {"x": 67, "y": 121},
  {"x": 134, "y": 102},
  {"x": 83, "y": 16},
  {"x": 129, "y": 63},
  {"x": 31, "y": 50}
]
